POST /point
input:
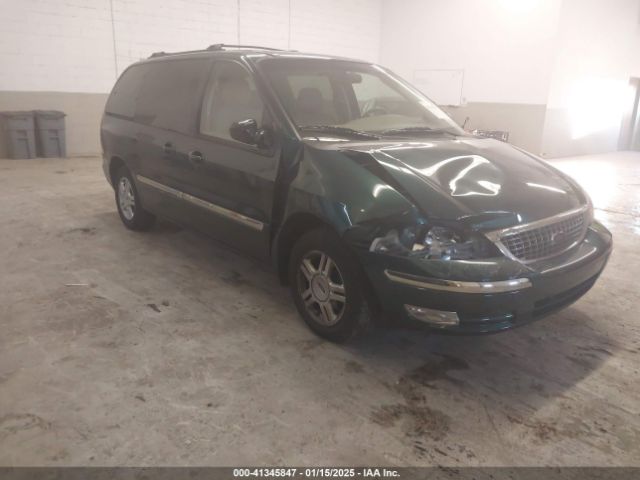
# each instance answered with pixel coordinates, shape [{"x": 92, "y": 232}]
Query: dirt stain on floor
[
  {"x": 431, "y": 372},
  {"x": 601, "y": 350},
  {"x": 352, "y": 366},
  {"x": 83, "y": 230},
  {"x": 234, "y": 279},
  {"x": 416, "y": 418},
  {"x": 541, "y": 430},
  {"x": 154, "y": 307},
  {"x": 16, "y": 422},
  {"x": 307, "y": 348}
]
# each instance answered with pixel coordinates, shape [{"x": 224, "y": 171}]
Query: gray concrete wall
[
  {"x": 524, "y": 122},
  {"x": 84, "y": 111}
]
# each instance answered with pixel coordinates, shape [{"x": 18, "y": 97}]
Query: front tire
[
  {"x": 327, "y": 286},
  {"x": 130, "y": 209}
]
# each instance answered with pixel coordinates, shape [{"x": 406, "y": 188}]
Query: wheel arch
[
  {"x": 297, "y": 225},
  {"x": 114, "y": 164},
  {"x": 293, "y": 228}
]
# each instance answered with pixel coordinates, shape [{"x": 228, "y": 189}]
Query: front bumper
[{"x": 486, "y": 296}]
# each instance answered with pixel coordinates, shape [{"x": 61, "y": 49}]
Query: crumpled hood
[{"x": 477, "y": 179}]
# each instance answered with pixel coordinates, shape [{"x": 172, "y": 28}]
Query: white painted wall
[
  {"x": 82, "y": 45},
  {"x": 571, "y": 58},
  {"x": 597, "y": 39},
  {"x": 145, "y": 26},
  {"x": 597, "y": 51},
  {"x": 504, "y": 46},
  {"x": 265, "y": 23},
  {"x": 56, "y": 45},
  {"x": 565, "y": 58},
  {"x": 349, "y": 28}
]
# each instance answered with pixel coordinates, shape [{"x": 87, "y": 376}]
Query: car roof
[{"x": 235, "y": 51}]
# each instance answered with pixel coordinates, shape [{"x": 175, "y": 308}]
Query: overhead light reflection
[
  {"x": 546, "y": 187},
  {"x": 379, "y": 188},
  {"x": 520, "y": 6}
]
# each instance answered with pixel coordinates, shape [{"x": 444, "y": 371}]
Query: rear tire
[
  {"x": 128, "y": 202},
  {"x": 327, "y": 286}
]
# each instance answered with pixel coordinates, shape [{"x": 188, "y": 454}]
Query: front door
[{"x": 230, "y": 184}]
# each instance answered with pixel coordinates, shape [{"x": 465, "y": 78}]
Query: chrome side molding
[
  {"x": 458, "y": 286},
  {"x": 230, "y": 214}
]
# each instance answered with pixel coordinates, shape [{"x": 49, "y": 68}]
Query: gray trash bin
[
  {"x": 50, "y": 133},
  {"x": 19, "y": 133}
]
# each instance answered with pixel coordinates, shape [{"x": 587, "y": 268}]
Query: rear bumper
[{"x": 491, "y": 305}]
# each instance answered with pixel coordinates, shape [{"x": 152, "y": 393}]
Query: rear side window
[
  {"x": 122, "y": 100},
  {"x": 170, "y": 94},
  {"x": 231, "y": 96}
]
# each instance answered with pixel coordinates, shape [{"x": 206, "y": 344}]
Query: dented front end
[{"x": 422, "y": 218}]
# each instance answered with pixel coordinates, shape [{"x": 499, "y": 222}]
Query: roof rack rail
[
  {"x": 215, "y": 48},
  {"x": 162, "y": 54},
  {"x": 222, "y": 46}
]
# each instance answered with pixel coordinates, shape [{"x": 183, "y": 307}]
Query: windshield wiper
[
  {"x": 426, "y": 130},
  {"x": 338, "y": 131}
]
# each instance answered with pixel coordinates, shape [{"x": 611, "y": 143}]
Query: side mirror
[
  {"x": 244, "y": 131},
  {"x": 247, "y": 131},
  {"x": 264, "y": 138}
]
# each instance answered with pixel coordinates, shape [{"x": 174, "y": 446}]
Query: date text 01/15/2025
[{"x": 316, "y": 472}]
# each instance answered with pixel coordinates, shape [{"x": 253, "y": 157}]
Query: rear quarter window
[
  {"x": 171, "y": 94},
  {"x": 122, "y": 100},
  {"x": 164, "y": 94}
]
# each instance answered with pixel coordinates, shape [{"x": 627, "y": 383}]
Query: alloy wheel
[
  {"x": 126, "y": 198},
  {"x": 321, "y": 287}
]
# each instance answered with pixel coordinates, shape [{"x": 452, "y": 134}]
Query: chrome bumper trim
[
  {"x": 238, "y": 217},
  {"x": 458, "y": 286}
]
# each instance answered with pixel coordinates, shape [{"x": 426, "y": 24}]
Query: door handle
[
  {"x": 196, "y": 157},
  {"x": 168, "y": 148}
]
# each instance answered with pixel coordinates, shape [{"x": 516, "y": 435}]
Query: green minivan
[{"x": 367, "y": 199}]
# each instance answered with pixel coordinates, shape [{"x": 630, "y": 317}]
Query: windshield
[{"x": 340, "y": 95}]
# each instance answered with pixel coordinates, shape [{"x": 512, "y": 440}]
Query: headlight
[{"x": 434, "y": 243}]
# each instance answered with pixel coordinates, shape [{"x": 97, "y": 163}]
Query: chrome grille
[{"x": 546, "y": 240}]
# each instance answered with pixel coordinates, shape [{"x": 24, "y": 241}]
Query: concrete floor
[{"x": 175, "y": 351}]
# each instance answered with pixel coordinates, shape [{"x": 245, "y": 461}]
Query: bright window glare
[
  {"x": 596, "y": 105},
  {"x": 521, "y": 6}
]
